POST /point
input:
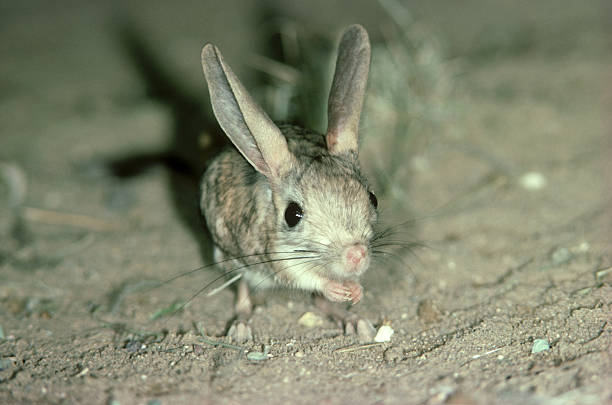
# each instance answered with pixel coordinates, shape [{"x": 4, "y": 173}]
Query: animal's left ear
[
  {"x": 253, "y": 133},
  {"x": 348, "y": 91}
]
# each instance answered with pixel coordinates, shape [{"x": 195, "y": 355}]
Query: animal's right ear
[
  {"x": 348, "y": 91},
  {"x": 249, "y": 128}
]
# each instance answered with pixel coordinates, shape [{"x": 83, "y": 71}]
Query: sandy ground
[{"x": 509, "y": 257}]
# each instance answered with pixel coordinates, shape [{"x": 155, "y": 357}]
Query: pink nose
[{"x": 355, "y": 255}]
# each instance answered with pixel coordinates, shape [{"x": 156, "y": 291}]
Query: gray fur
[{"x": 244, "y": 195}]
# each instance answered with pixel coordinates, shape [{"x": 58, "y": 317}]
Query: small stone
[
  {"x": 602, "y": 274},
  {"x": 441, "y": 394},
  {"x": 532, "y": 181},
  {"x": 540, "y": 345},
  {"x": 560, "y": 256},
  {"x": 299, "y": 354},
  {"x": 310, "y": 320},
  {"x": 133, "y": 346},
  {"x": 5, "y": 364},
  {"x": 259, "y": 356},
  {"x": 384, "y": 334}
]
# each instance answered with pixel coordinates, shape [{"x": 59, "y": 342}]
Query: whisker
[
  {"x": 255, "y": 288},
  {"x": 394, "y": 253},
  {"x": 389, "y": 232},
  {"x": 314, "y": 260},
  {"x": 225, "y": 274},
  {"x": 398, "y": 259},
  {"x": 206, "y": 266},
  {"x": 385, "y": 255},
  {"x": 401, "y": 244},
  {"x": 401, "y": 225}
]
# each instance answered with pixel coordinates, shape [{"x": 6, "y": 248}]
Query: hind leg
[{"x": 240, "y": 331}]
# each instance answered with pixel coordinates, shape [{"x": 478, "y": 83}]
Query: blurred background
[{"x": 122, "y": 81}]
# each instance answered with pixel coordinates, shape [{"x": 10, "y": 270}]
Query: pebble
[
  {"x": 532, "y": 181},
  {"x": 384, "y": 334},
  {"x": 560, "y": 256},
  {"x": 540, "y": 345},
  {"x": 259, "y": 356}
]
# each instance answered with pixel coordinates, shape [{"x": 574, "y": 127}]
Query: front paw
[{"x": 336, "y": 291}]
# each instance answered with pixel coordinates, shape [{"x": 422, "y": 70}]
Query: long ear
[
  {"x": 255, "y": 135},
  {"x": 348, "y": 91}
]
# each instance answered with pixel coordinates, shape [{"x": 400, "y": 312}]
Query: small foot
[
  {"x": 351, "y": 323},
  {"x": 362, "y": 327},
  {"x": 240, "y": 332}
]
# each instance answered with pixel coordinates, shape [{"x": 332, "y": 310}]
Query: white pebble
[
  {"x": 384, "y": 334},
  {"x": 532, "y": 181},
  {"x": 540, "y": 345},
  {"x": 584, "y": 247}
]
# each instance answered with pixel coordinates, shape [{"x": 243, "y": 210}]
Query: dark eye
[
  {"x": 373, "y": 200},
  {"x": 293, "y": 214}
]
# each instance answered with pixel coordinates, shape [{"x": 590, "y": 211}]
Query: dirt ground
[{"x": 511, "y": 200}]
